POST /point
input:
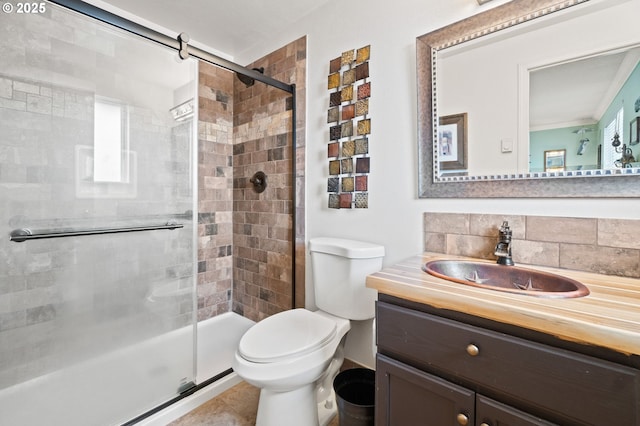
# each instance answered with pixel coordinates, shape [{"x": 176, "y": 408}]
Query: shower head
[{"x": 249, "y": 81}]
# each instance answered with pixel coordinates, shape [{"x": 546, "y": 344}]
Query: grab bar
[{"x": 25, "y": 234}]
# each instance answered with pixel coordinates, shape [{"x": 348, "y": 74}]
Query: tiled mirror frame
[{"x": 502, "y": 16}]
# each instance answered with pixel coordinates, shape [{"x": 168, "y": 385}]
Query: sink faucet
[{"x": 503, "y": 248}]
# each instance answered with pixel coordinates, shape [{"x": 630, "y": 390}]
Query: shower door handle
[{"x": 25, "y": 234}]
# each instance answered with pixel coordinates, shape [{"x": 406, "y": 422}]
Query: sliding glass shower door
[{"x": 97, "y": 205}]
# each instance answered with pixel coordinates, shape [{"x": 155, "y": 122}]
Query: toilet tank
[{"x": 339, "y": 268}]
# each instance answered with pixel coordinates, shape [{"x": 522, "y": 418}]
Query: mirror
[{"x": 517, "y": 88}]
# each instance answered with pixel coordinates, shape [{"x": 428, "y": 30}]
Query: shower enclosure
[
  {"x": 97, "y": 194},
  {"x": 103, "y": 263}
]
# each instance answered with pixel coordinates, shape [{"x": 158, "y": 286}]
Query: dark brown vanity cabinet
[
  {"x": 437, "y": 371},
  {"x": 408, "y": 396}
]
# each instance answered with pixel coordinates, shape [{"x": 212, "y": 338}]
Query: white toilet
[{"x": 293, "y": 356}]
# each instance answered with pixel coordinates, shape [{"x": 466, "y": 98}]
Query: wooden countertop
[{"x": 609, "y": 316}]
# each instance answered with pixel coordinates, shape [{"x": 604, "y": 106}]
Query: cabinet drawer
[{"x": 571, "y": 387}]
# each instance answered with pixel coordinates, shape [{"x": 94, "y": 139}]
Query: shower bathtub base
[{"x": 53, "y": 398}]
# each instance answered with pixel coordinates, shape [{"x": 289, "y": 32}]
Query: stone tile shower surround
[
  {"x": 600, "y": 245},
  {"x": 215, "y": 190},
  {"x": 245, "y": 241},
  {"x": 263, "y": 233}
]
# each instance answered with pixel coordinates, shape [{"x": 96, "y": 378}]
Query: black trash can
[{"x": 356, "y": 395}]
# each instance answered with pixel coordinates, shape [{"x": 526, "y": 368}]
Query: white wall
[{"x": 394, "y": 217}]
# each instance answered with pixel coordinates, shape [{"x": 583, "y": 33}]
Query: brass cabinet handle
[
  {"x": 462, "y": 419},
  {"x": 484, "y": 424},
  {"x": 472, "y": 349}
]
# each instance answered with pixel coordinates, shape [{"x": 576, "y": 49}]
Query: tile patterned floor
[{"x": 235, "y": 407}]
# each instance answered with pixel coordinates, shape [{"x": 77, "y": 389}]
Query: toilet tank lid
[{"x": 346, "y": 248}]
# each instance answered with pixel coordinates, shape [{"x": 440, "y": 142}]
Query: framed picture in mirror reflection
[
  {"x": 452, "y": 142},
  {"x": 554, "y": 160},
  {"x": 634, "y": 134}
]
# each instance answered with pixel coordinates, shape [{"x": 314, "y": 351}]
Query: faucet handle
[
  {"x": 503, "y": 248},
  {"x": 504, "y": 229}
]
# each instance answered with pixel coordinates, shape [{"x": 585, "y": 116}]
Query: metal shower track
[{"x": 150, "y": 34}]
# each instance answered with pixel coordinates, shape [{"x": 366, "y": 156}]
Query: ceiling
[
  {"x": 578, "y": 92},
  {"x": 228, "y": 26}
]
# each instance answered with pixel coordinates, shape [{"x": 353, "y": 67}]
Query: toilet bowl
[
  {"x": 293, "y": 356},
  {"x": 285, "y": 355}
]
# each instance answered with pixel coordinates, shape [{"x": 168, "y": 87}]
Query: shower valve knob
[{"x": 259, "y": 181}]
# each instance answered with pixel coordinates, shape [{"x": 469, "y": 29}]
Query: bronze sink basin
[{"x": 511, "y": 279}]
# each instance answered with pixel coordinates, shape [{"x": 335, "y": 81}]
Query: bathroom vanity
[{"x": 451, "y": 354}]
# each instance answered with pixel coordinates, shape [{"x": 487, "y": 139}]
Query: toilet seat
[{"x": 288, "y": 334}]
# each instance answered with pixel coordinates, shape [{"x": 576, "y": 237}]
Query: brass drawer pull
[
  {"x": 472, "y": 349},
  {"x": 462, "y": 419},
  {"x": 484, "y": 424}
]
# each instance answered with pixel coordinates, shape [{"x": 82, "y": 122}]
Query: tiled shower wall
[
  {"x": 215, "y": 186},
  {"x": 245, "y": 239},
  {"x": 603, "y": 246},
  {"x": 263, "y": 233}
]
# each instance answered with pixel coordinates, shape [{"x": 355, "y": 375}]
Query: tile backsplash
[{"x": 603, "y": 246}]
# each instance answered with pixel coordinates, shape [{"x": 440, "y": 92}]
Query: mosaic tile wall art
[{"x": 349, "y": 130}]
